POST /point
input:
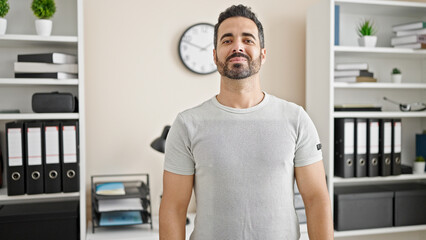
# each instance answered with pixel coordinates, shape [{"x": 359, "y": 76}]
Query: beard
[{"x": 238, "y": 70}]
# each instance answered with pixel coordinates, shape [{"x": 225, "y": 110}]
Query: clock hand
[
  {"x": 190, "y": 43},
  {"x": 205, "y": 48}
]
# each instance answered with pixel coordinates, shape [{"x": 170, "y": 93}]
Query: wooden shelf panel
[
  {"x": 379, "y": 52},
  {"x": 37, "y": 81},
  {"x": 375, "y": 231},
  {"x": 38, "y": 116},
  {"x": 5, "y": 199},
  {"x": 36, "y": 38},
  {"x": 379, "y": 85},
  {"x": 388, "y": 179},
  {"x": 379, "y": 114}
]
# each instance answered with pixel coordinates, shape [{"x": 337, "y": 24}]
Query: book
[
  {"x": 408, "y": 39},
  {"x": 409, "y": 26},
  {"x": 351, "y": 66},
  {"x": 110, "y": 188},
  {"x": 336, "y": 25},
  {"x": 58, "y": 58},
  {"x": 120, "y": 218},
  {"x": 411, "y": 32},
  {"x": 31, "y": 67},
  {"x": 355, "y": 79},
  {"x": 412, "y": 46},
  {"x": 352, "y": 73},
  {"x": 55, "y": 75},
  {"x": 126, "y": 204}
]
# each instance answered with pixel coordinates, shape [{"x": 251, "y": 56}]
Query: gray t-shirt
[{"x": 243, "y": 161}]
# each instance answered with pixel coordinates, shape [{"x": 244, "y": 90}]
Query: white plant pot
[
  {"x": 367, "y": 41},
  {"x": 419, "y": 167},
  {"x": 396, "y": 78},
  {"x": 43, "y": 27},
  {"x": 3, "y": 26}
]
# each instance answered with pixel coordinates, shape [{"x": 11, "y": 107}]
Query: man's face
[{"x": 238, "y": 54}]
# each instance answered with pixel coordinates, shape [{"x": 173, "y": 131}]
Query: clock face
[{"x": 196, "y": 48}]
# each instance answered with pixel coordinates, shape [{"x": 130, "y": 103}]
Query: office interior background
[{"x": 136, "y": 83}]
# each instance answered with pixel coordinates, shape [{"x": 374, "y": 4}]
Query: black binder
[
  {"x": 70, "y": 156},
  {"x": 344, "y": 131},
  {"x": 373, "y": 127},
  {"x": 34, "y": 157},
  {"x": 15, "y": 156},
  {"x": 360, "y": 147},
  {"x": 52, "y": 163},
  {"x": 385, "y": 147},
  {"x": 396, "y": 146}
]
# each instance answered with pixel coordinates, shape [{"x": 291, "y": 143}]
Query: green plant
[
  {"x": 366, "y": 28},
  {"x": 396, "y": 71},
  {"x": 4, "y": 8},
  {"x": 420, "y": 159},
  {"x": 43, "y": 9}
]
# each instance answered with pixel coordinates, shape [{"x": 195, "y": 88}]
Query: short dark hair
[{"x": 239, "y": 11}]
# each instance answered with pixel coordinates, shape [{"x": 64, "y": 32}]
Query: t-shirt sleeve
[
  {"x": 308, "y": 146},
  {"x": 178, "y": 156}
]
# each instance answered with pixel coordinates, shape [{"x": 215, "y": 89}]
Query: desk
[{"x": 143, "y": 232}]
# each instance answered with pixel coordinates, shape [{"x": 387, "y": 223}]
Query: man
[{"x": 241, "y": 151}]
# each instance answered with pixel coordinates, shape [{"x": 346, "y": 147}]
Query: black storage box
[
  {"x": 409, "y": 203},
  {"x": 54, "y": 102},
  {"x": 362, "y": 207},
  {"x": 47, "y": 221}
]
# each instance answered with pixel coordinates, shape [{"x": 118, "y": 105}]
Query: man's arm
[
  {"x": 177, "y": 190},
  {"x": 313, "y": 188}
]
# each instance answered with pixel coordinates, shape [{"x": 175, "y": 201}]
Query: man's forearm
[
  {"x": 172, "y": 223},
  {"x": 320, "y": 222}
]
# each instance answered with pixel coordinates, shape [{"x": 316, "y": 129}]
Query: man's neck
[{"x": 243, "y": 93}]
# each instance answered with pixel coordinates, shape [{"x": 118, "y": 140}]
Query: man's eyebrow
[
  {"x": 226, "y": 35},
  {"x": 249, "y": 35}
]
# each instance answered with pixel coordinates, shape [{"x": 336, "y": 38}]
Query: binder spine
[
  {"x": 69, "y": 153},
  {"x": 385, "y": 147},
  {"x": 396, "y": 146},
  {"x": 360, "y": 147},
  {"x": 15, "y": 156},
  {"x": 34, "y": 161},
  {"x": 51, "y": 157},
  {"x": 344, "y": 147},
  {"x": 373, "y": 147}
]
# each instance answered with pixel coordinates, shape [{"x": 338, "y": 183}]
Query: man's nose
[{"x": 237, "y": 48}]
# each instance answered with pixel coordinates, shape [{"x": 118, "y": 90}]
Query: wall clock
[{"x": 196, "y": 48}]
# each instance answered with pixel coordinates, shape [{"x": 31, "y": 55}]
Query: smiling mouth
[{"x": 238, "y": 59}]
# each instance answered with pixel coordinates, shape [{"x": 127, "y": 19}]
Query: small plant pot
[
  {"x": 367, "y": 41},
  {"x": 419, "y": 167},
  {"x": 396, "y": 78},
  {"x": 43, "y": 27},
  {"x": 3, "y": 26}
]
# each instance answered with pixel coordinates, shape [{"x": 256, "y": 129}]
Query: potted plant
[
  {"x": 43, "y": 10},
  {"x": 419, "y": 165},
  {"x": 366, "y": 32},
  {"x": 396, "y": 75},
  {"x": 4, "y": 9}
]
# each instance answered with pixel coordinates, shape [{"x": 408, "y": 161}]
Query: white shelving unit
[
  {"x": 322, "y": 93},
  {"x": 20, "y": 38}
]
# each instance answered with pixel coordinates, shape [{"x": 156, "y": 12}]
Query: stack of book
[
  {"x": 410, "y": 35},
  {"x": 46, "y": 65},
  {"x": 353, "y": 72}
]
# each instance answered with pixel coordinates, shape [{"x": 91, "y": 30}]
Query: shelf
[
  {"x": 379, "y": 231},
  {"x": 379, "y": 52},
  {"x": 5, "y": 199},
  {"x": 22, "y": 40},
  {"x": 379, "y": 114},
  {"x": 37, "y": 81},
  {"x": 388, "y": 179},
  {"x": 38, "y": 116},
  {"x": 380, "y": 85}
]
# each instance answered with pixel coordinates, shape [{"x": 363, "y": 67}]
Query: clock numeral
[
  {"x": 204, "y": 29},
  {"x": 187, "y": 38},
  {"x": 184, "y": 47},
  {"x": 187, "y": 57},
  {"x": 194, "y": 64},
  {"x": 195, "y": 31},
  {"x": 203, "y": 69}
]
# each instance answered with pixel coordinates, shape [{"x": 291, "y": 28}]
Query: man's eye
[
  {"x": 226, "y": 41},
  {"x": 249, "y": 41}
]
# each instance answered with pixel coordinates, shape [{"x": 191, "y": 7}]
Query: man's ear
[
  {"x": 214, "y": 56},
  {"x": 263, "y": 55}
]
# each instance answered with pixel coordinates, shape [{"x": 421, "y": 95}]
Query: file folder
[
  {"x": 385, "y": 147},
  {"x": 69, "y": 156},
  {"x": 373, "y": 147},
  {"x": 52, "y": 164},
  {"x": 396, "y": 146},
  {"x": 34, "y": 161},
  {"x": 15, "y": 158},
  {"x": 344, "y": 131},
  {"x": 361, "y": 147}
]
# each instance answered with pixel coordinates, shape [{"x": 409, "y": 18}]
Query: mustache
[{"x": 238, "y": 54}]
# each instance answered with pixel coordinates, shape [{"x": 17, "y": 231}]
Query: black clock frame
[{"x": 180, "y": 54}]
